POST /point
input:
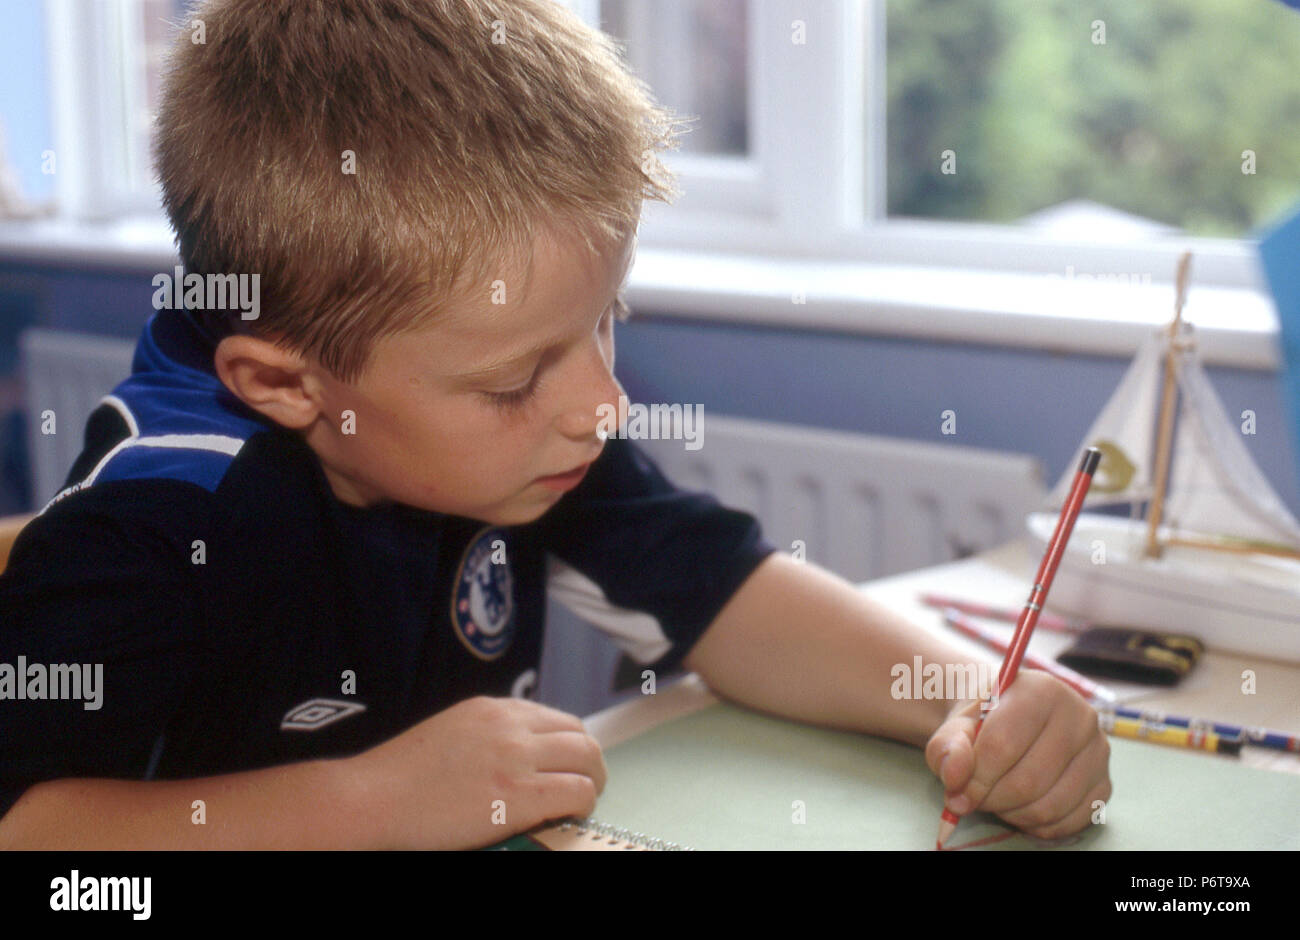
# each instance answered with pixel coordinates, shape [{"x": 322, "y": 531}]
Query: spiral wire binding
[{"x": 616, "y": 834}]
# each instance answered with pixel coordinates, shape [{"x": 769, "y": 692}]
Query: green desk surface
[{"x": 728, "y": 778}]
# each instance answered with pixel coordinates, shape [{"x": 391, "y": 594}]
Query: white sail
[
  {"x": 1125, "y": 431},
  {"x": 1215, "y": 488}
]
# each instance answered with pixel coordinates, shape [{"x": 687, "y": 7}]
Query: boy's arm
[
  {"x": 800, "y": 642},
  {"x": 310, "y": 805},
  {"x": 470, "y": 775}
]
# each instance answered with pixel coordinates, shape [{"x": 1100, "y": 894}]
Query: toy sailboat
[{"x": 1218, "y": 554}]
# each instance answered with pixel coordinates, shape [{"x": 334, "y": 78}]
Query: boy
[{"x": 310, "y": 550}]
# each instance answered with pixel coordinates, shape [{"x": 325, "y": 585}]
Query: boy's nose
[{"x": 585, "y": 414}]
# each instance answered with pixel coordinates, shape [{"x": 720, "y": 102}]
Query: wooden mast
[
  {"x": 1168, "y": 404},
  {"x": 1222, "y": 544}
]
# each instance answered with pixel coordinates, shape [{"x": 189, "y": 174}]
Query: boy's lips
[{"x": 567, "y": 480}]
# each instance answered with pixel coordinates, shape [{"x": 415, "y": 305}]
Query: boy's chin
[
  {"x": 517, "y": 515},
  {"x": 522, "y": 510}
]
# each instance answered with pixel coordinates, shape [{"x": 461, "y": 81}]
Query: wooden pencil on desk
[
  {"x": 1037, "y": 597},
  {"x": 1045, "y": 619}
]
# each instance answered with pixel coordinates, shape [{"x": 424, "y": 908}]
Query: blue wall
[{"x": 1018, "y": 400}]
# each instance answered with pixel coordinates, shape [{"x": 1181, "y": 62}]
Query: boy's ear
[{"x": 271, "y": 380}]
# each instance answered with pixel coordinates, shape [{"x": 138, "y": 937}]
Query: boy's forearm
[
  {"x": 800, "y": 642},
  {"x": 309, "y": 805}
]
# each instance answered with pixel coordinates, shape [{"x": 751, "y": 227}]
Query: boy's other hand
[
  {"x": 1039, "y": 763},
  {"x": 436, "y": 785}
]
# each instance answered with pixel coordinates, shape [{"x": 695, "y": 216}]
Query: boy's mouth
[{"x": 567, "y": 480}]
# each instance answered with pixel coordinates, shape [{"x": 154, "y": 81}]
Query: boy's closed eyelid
[
  {"x": 513, "y": 398},
  {"x": 516, "y": 380}
]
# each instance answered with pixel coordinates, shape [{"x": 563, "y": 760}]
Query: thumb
[{"x": 950, "y": 754}]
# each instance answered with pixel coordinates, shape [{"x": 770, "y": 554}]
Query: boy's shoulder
[
  {"x": 170, "y": 420},
  {"x": 172, "y": 464}
]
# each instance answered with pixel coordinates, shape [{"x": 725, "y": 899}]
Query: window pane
[
  {"x": 693, "y": 54},
  {"x": 1121, "y": 108}
]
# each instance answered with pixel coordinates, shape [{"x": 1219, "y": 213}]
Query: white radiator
[
  {"x": 66, "y": 373},
  {"x": 862, "y": 506}
]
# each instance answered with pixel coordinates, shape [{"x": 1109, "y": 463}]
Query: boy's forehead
[{"x": 528, "y": 306}]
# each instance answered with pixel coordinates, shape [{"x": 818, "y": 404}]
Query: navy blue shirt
[{"x": 243, "y": 616}]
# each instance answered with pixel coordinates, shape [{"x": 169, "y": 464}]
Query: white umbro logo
[{"x": 317, "y": 713}]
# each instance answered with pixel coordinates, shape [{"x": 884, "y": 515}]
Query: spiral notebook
[{"x": 586, "y": 835}]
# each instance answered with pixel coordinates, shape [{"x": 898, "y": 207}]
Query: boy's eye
[
  {"x": 514, "y": 398},
  {"x": 518, "y": 397}
]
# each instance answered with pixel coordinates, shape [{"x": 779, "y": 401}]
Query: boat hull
[{"x": 1243, "y": 604}]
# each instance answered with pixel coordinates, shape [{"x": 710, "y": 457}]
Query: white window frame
[{"x": 95, "y": 83}]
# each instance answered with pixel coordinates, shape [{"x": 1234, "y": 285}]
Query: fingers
[
  {"x": 1037, "y": 759},
  {"x": 950, "y": 754},
  {"x": 541, "y": 719},
  {"x": 1010, "y": 726},
  {"x": 564, "y": 795},
  {"x": 1046, "y": 764},
  {"x": 1067, "y": 806},
  {"x": 570, "y": 752}
]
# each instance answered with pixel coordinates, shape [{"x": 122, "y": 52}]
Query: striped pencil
[
  {"x": 1258, "y": 737},
  {"x": 1200, "y": 739}
]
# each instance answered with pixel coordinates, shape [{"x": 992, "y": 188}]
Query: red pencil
[{"x": 1037, "y": 597}]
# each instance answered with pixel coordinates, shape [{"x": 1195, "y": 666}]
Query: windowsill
[
  {"x": 138, "y": 243},
  {"x": 1236, "y": 326}
]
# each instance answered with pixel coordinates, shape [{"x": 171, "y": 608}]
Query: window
[
  {"x": 106, "y": 63},
  {"x": 1110, "y": 139}
]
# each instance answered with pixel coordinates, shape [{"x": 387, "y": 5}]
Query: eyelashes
[{"x": 517, "y": 398}]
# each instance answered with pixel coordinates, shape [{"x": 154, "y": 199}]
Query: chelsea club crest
[{"x": 483, "y": 607}]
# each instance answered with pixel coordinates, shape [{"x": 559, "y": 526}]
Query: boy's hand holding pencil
[
  {"x": 1039, "y": 763},
  {"x": 1033, "y": 748}
]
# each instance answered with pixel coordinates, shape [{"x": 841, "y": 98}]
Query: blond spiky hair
[{"x": 471, "y": 124}]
